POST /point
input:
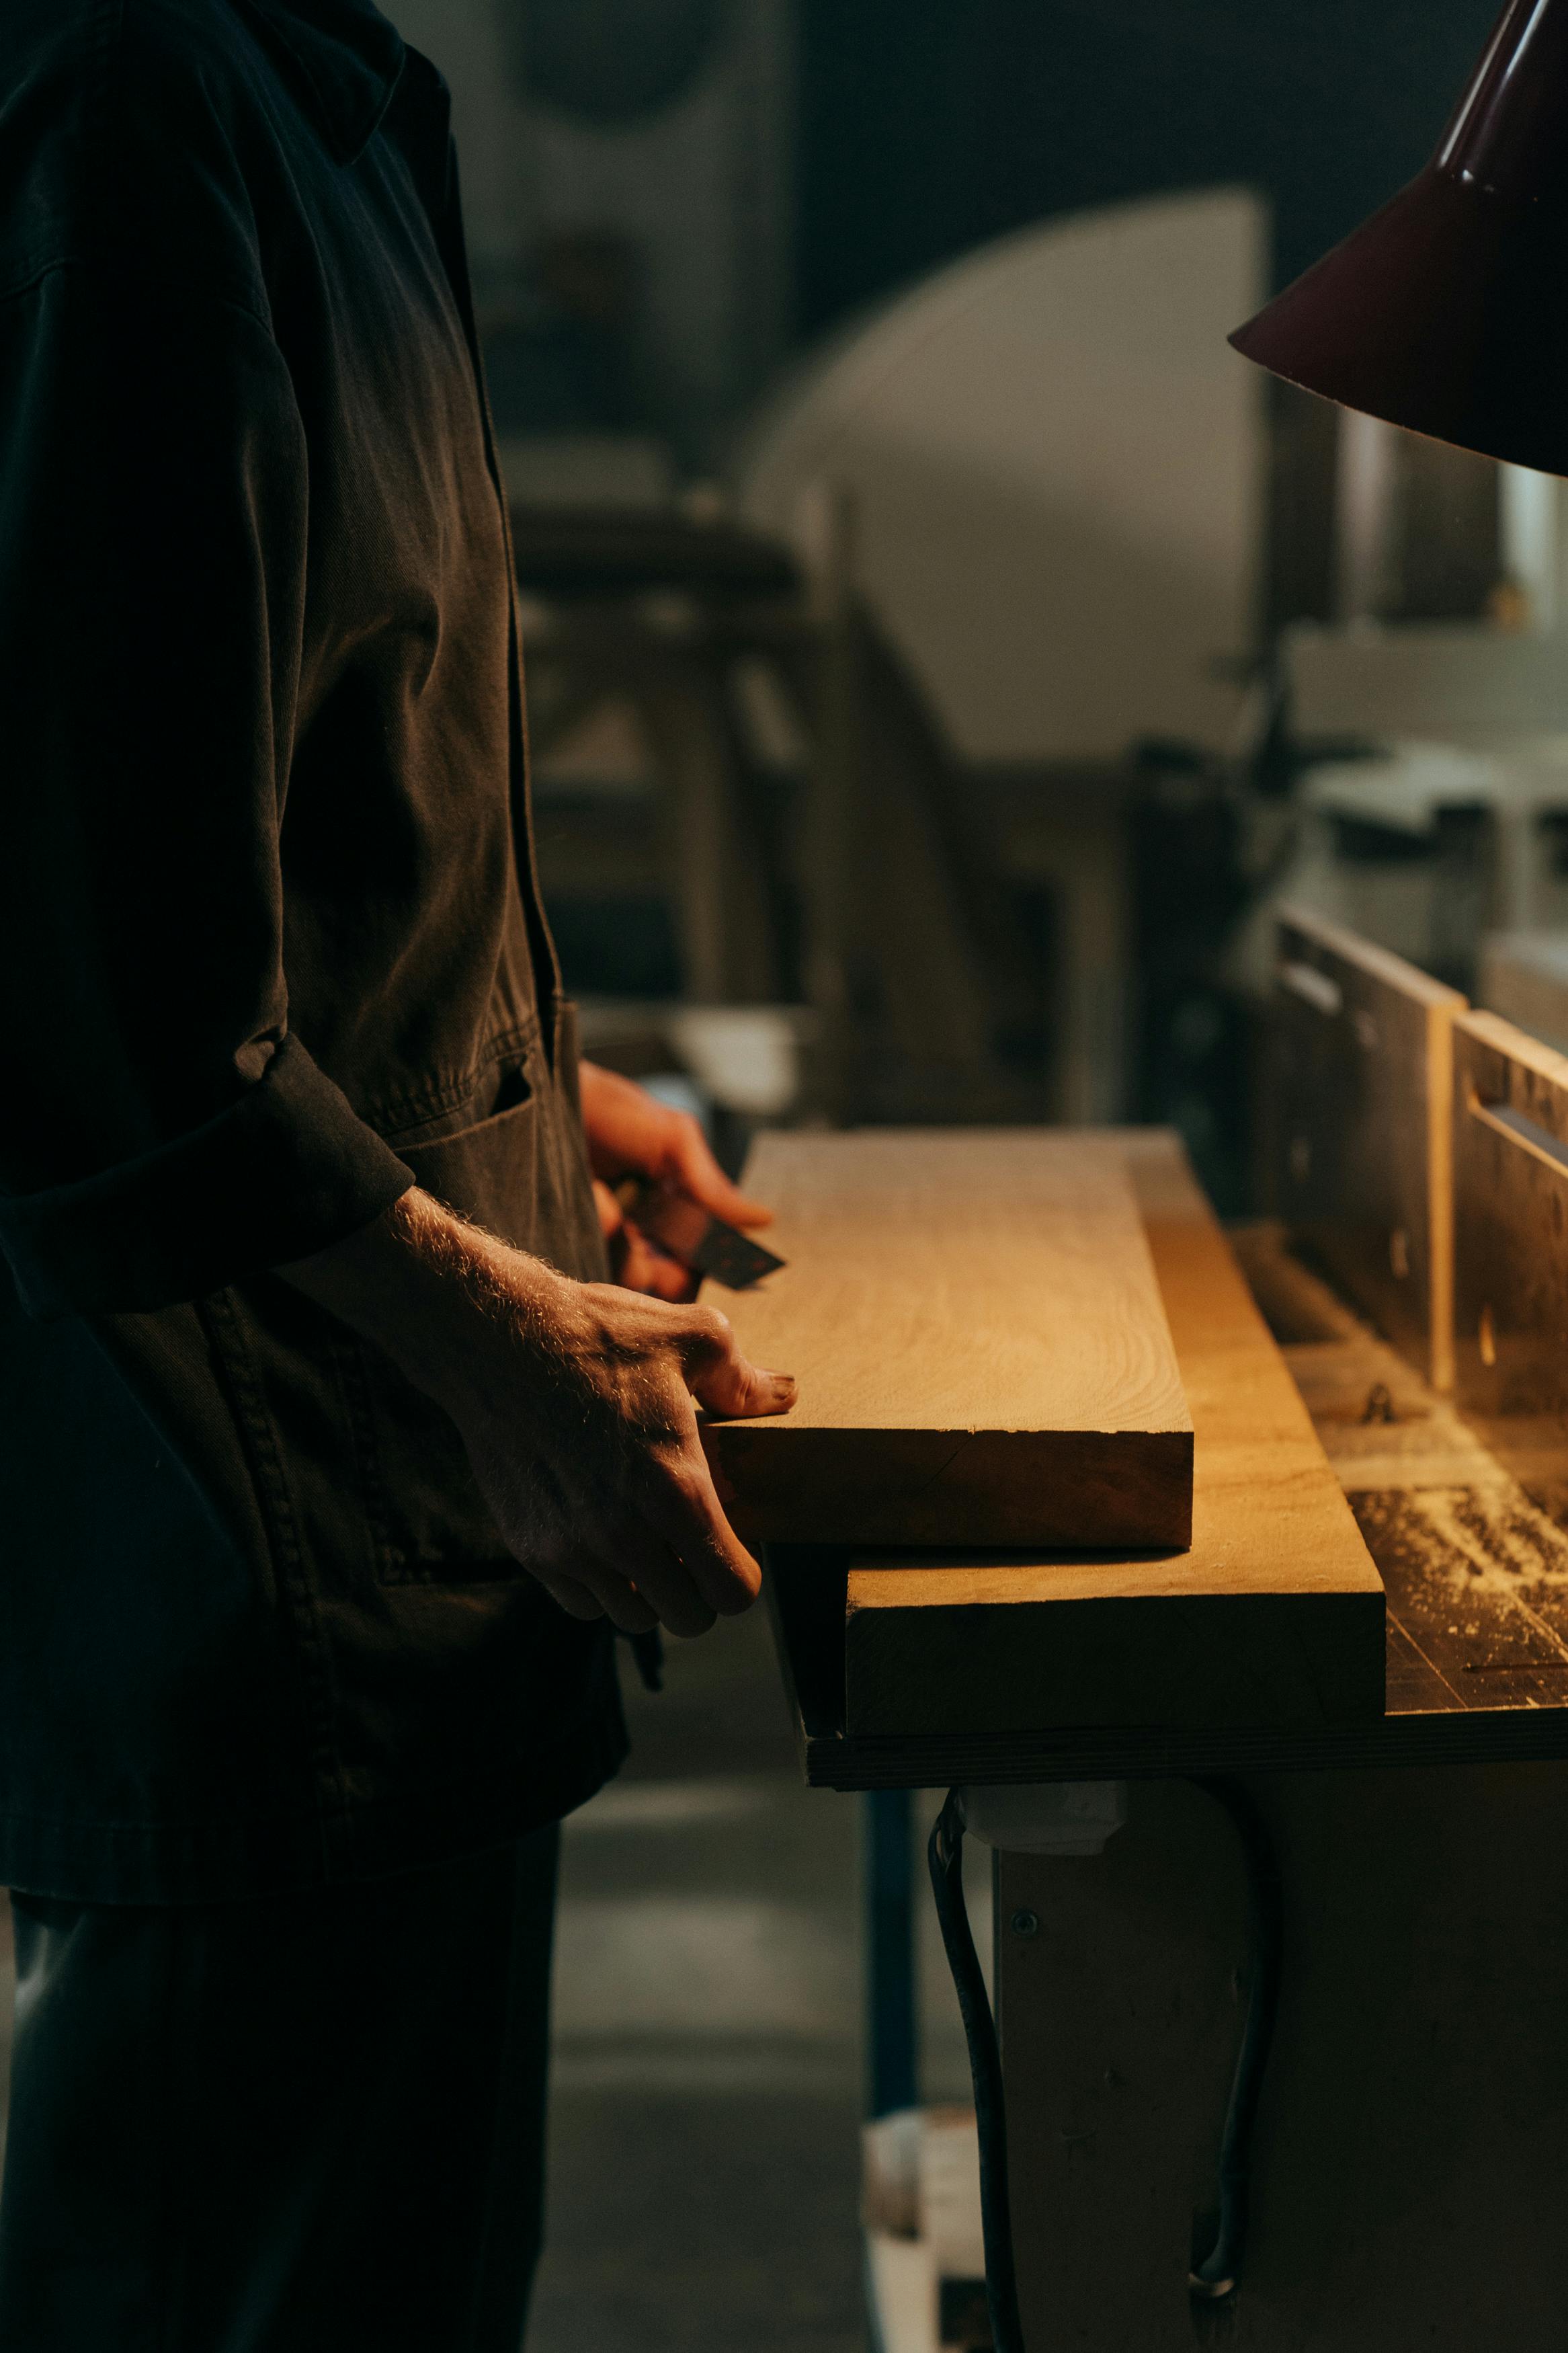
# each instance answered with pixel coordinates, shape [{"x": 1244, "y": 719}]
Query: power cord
[
  {"x": 1217, "y": 2274},
  {"x": 945, "y": 1854}
]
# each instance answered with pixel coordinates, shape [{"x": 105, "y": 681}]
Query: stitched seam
[
  {"x": 355, "y": 1390},
  {"x": 36, "y": 269},
  {"x": 428, "y": 1098},
  {"x": 289, "y": 1557}
]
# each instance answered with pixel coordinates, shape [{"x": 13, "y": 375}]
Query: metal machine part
[{"x": 1047, "y": 1817}]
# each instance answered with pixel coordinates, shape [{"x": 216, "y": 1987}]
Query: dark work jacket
[{"x": 270, "y": 950}]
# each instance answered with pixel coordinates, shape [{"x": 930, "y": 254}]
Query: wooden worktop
[{"x": 1320, "y": 1462}]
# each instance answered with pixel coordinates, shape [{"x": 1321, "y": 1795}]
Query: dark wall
[{"x": 929, "y": 125}]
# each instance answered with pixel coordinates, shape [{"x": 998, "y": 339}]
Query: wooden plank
[
  {"x": 983, "y": 1351},
  {"x": 1275, "y": 1616},
  {"x": 1360, "y": 1096},
  {"x": 1463, "y": 1517}
]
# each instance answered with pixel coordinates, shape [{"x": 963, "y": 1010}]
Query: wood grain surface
[
  {"x": 1360, "y": 1093},
  {"x": 1464, "y": 1515},
  {"x": 981, "y": 1343},
  {"x": 1275, "y": 1616}
]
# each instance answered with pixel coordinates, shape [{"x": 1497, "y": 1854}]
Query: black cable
[
  {"x": 1217, "y": 2274},
  {"x": 945, "y": 1854}
]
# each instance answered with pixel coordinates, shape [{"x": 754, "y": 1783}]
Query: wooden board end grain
[
  {"x": 1275, "y": 1617},
  {"x": 1361, "y": 1094},
  {"x": 981, "y": 1343}
]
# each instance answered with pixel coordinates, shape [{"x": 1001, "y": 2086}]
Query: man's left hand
[{"x": 632, "y": 1134}]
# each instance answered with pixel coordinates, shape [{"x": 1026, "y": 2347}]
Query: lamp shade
[{"x": 1447, "y": 311}]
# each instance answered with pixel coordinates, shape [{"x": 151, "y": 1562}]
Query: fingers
[
  {"x": 725, "y": 1487},
  {"x": 723, "y": 1380},
  {"x": 613, "y": 1596},
  {"x": 641, "y": 1265},
  {"x": 689, "y": 1165},
  {"x": 574, "y": 1598},
  {"x": 661, "y": 1579},
  {"x": 636, "y": 1262},
  {"x": 628, "y": 1574},
  {"x": 683, "y": 1505}
]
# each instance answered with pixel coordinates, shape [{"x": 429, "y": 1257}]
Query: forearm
[
  {"x": 443, "y": 1298},
  {"x": 576, "y": 1402}
]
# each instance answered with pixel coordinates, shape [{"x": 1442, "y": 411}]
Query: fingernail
[{"x": 784, "y": 1387}]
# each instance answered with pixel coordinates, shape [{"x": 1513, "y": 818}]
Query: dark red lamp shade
[{"x": 1448, "y": 312}]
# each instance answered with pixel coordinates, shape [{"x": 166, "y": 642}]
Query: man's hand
[
  {"x": 632, "y": 1134},
  {"x": 576, "y": 1404}
]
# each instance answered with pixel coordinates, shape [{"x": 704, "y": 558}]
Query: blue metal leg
[{"x": 891, "y": 2021}]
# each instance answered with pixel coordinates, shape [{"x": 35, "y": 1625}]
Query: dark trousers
[{"x": 313, "y": 2124}]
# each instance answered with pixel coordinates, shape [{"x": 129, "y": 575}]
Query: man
[{"x": 328, "y": 1459}]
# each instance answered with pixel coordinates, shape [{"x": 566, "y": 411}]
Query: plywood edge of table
[{"x": 1274, "y": 1615}]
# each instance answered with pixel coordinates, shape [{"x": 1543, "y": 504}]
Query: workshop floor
[
  {"x": 705, "y": 2153},
  {"x": 705, "y": 2139}
]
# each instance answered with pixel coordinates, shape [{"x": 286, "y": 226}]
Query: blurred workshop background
[
  {"x": 943, "y": 654},
  {"x": 943, "y": 648}
]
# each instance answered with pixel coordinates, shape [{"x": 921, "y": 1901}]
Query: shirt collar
[{"x": 351, "y": 60}]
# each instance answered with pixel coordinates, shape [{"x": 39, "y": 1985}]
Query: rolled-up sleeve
[{"x": 161, "y": 1130}]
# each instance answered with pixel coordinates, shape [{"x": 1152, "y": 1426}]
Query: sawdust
[{"x": 1492, "y": 1536}]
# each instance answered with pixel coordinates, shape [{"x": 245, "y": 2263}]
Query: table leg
[{"x": 892, "y": 2021}]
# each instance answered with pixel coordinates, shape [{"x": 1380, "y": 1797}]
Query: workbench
[{"x": 1413, "y": 2152}]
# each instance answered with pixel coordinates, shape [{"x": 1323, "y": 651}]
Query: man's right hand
[{"x": 577, "y": 1405}]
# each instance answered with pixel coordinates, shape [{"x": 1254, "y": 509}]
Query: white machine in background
[
  {"x": 1428, "y": 846},
  {"x": 1442, "y": 814}
]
